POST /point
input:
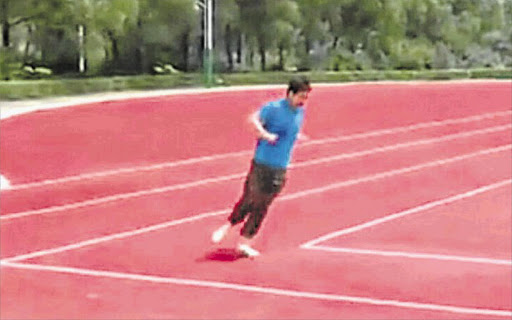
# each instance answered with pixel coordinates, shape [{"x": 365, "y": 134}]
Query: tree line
[{"x": 159, "y": 36}]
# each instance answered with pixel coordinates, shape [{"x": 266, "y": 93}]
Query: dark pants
[{"x": 261, "y": 186}]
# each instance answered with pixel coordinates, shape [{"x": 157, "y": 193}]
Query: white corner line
[
  {"x": 286, "y": 197},
  {"x": 4, "y": 183},
  {"x": 413, "y": 255},
  {"x": 310, "y": 244},
  {"x": 261, "y": 290}
]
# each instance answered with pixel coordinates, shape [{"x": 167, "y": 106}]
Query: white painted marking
[
  {"x": 402, "y": 146},
  {"x": 262, "y": 290},
  {"x": 417, "y": 126},
  {"x": 322, "y": 160},
  {"x": 92, "y": 296},
  {"x": 27, "y": 106},
  {"x": 286, "y": 197},
  {"x": 117, "y": 197},
  {"x": 390, "y": 217},
  {"x": 414, "y": 255},
  {"x": 116, "y": 236},
  {"x": 10, "y": 109},
  {"x": 196, "y": 160},
  {"x": 4, "y": 183},
  {"x": 395, "y": 172},
  {"x": 103, "y": 174}
]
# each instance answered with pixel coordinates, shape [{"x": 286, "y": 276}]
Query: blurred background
[{"x": 90, "y": 38}]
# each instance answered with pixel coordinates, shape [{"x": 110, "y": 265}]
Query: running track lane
[
  {"x": 109, "y": 135},
  {"x": 126, "y": 296},
  {"x": 473, "y": 178},
  {"x": 146, "y": 255},
  {"x": 58, "y": 192},
  {"x": 158, "y": 207}
]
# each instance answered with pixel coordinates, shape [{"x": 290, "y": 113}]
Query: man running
[{"x": 277, "y": 125}]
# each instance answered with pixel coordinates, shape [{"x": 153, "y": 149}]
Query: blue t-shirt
[{"x": 280, "y": 118}]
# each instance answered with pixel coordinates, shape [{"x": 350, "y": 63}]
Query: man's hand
[
  {"x": 258, "y": 127},
  {"x": 270, "y": 137}
]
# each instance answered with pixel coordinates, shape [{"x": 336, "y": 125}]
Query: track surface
[{"x": 398, "y": 207}]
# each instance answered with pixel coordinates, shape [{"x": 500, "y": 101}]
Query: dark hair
[{"x": 297, "y": 84}]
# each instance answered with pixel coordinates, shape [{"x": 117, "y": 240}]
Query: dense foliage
[{"x": 40, "y": 37}]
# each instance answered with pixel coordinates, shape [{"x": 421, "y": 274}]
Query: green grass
[{"x": 26, "y": 89}]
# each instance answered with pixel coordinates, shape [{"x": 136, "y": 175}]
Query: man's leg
[
  {"x": 238, "y": 214},
  {"x": 240, "y": 211},
  {"x": 253, "y": 223},
  {"x": 262, "y": 199}
]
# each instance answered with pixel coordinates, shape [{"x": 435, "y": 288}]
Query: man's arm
[{"x": 261, "y": 132}]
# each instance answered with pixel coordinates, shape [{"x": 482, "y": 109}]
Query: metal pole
[
  {"x": 81, "y": 60},
  {"x": 207, "y": 7},
  {"x": 209, "y": 43},
  {"x": 205, "y": 25},
  {"x": 210, "y": 24}
]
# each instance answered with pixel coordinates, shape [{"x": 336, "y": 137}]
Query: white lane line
[
  {"x": 11, "y": 109},
  {"x": 4, "y": 183},
  {"x": 322, "y": 160},
  {"x": 103, "y": 174},
  {"x": 423, "y": 125},
  {"x": 190, "y": 161},
  {"x": 116, "y": 236},
  {"x": 390, "y": 217},
  {"x": 413, "y": 255},
  {"x": 26, "y": 106},
  {"x": 262, "y": 290},
  {"x": 286, "y": 197},
  {"x": 117, "y": 197},
  {"x": 397, "y": 146},
  {"x": 395, "y": 172}
]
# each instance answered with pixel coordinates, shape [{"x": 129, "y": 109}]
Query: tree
[
  {"x": 132, "y": 36},
  {"x": 51, "y": 35},
  {"x": 112, "y": 18},
  {"x": 310, "y": 29},
  {"x": 14, "y": 13},
  {"x": 287, "y": 19},
  {"x": 266, "y": 23},
  {"x": 167, "y": 30},
  {"x": 227, "y": 25},
  {"x": 390, "y": 27}
]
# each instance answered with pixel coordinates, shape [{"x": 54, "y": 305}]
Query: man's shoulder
[{"x": 274, "y": 104}]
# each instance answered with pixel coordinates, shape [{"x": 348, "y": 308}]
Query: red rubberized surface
[{"x": 360, "y": 175}]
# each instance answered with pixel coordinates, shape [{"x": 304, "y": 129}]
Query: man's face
[{"x": 298, "y": 99}]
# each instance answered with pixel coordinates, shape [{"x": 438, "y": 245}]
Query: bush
[
  {"x": 481, "y": 57},
  {"x": 491, "y": 73},
  {"x": 443, "y": 57},
  {"x": 343, "y": 60},
  {"x": 413, "y": 54},
  {"x": 8, "y": 63}
]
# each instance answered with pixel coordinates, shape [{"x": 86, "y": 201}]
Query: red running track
[{"x": 134, "y": 243}]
